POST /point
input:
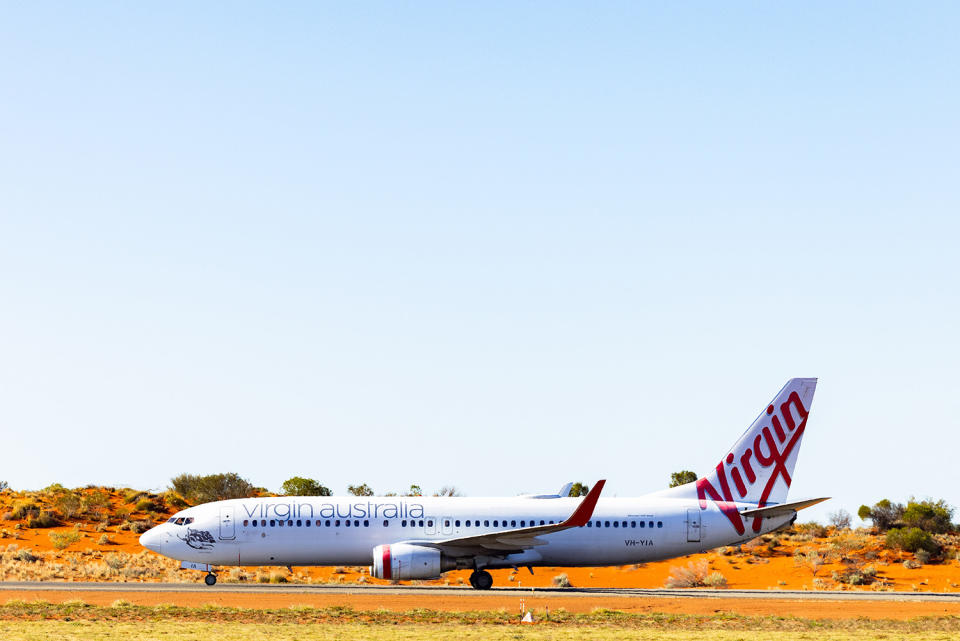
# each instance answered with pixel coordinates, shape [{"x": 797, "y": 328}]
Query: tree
[
  {"x": 360, "y": 490},
  {"x": 414, "y": 491},
  {"x": 579, "y": 489},
  {"x": 212, "y": 487},
  {"x": 884, "y": 514},
  {"x": 448, "y": 490},
  {"x": 300, "y": 486},
  {"x": 841, "y": 519},
  {"x": 4, "y": 486},
  {"x": 682, "y": 478}
]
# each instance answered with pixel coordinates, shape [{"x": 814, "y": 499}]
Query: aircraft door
[
  {"x": 693, "y": 525},
  {"x": 227, "y": 526}
]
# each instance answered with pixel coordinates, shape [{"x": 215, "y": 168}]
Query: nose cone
[{"x": 152, "y": 539}]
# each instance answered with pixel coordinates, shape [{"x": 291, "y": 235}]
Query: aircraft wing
[
  {"x": 519, "y": 538},
  {"x": 782, "y": 509}
]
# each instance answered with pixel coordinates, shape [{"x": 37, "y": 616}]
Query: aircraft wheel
[
  {"x": 473, "y": 579},
  {"x": 481, "y": 580},
  {"x": 210, "y": 579}
]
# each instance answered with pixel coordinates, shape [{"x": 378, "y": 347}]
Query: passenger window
[
  {"x": 429, "y": 523},
  {"x": 589, "y": 523},
  {"x": 606, "y": 524},
  {"x": 466, "y": 523},
  {"x": 486, "y": 523},
  {"x": 272, "y": 523},
  {"x": 336, "y": 523},
  {"x": 513, "y": 524},
  {"x": 386, "y": 523},
  {"x": 446, "y": 523},
  {"x": 346, "y": 523},
  {"x": 366, "y": 523},
  {"x": 643, "y": 524},
  {"x": 326, "y": 523},
  {"x": 318, "y": 522},
  {"x": 289, "y": 523},
  {"x": 457, "y": 523},
  {"x": 421, "y": 523},
  {"x": 651, "y": 523},
  {"x": 616, "y": 524},
  {"x": 659, "y": 524},
  {"x": 495, "y": 524},
  {"x": 403, "y": 523},
  {"x": 307, "y": 523},
  {"x": 633, "y": 524},
  {"x": 299, "y": 523},
  {"x": 541, "y": 521}
]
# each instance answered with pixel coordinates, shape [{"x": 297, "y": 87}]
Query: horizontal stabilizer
[{"x": 783, "y": 508}]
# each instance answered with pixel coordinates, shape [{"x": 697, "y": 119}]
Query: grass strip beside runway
[
  {"x": 109, "y": 630},
  {"x": 79, "y": 620}
]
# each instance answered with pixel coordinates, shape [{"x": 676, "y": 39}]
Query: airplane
[{"x": 405, "y": 538}]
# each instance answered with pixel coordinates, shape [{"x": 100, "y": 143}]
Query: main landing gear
[
  {"x": 210, "y": 579},
  {"x": 481, "y": 580}
]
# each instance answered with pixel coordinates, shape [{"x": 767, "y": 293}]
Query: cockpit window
[{"x": 179, "y": 521}]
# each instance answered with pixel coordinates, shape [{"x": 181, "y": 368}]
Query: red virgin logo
[{"x": 765, "y": 454}]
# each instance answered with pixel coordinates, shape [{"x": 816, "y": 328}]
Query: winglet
[{"x": 584, "y": 511}]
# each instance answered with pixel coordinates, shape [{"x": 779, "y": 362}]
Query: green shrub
[
  {"x": 146, "y": 505},
  {"x": 68, "y": 504},
  {"x": 931, "y": 516},
  {"x": 300, "y": 486},
  {"x": 212, "y": 487},
  {"x": 23, "y": 509},
  {"x": 42, "y": 520},
  {"x": 911, "y": 540},
  {"x": 63, "y": 540}
]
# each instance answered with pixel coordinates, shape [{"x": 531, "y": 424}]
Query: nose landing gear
[
  {"x": 210, "y": 579},
  {"x": 481, "y": 580}
]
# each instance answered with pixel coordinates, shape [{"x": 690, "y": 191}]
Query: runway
[{"x": 466, "y": 592}]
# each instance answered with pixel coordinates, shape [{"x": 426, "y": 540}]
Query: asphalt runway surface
[{"x": 446, "y": 592}]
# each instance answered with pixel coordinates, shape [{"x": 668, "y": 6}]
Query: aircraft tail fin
[{"x": 759, "y": 467}]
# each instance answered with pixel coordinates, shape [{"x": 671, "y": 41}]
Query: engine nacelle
[{"x": 402, "y": 561}]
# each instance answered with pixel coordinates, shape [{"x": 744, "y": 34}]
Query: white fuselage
[{"x": 344, "y": 530}]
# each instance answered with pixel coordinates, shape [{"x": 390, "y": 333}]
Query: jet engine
[{"x": 405, "y": 561}]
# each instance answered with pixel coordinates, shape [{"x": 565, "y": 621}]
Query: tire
[
  {"x": 482, "y": 580},
  {"x": 210, "y": 579},
  {"x": 473, "y": 580}
]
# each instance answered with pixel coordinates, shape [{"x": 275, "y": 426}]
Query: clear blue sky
[{"x": 499, "y": 246}]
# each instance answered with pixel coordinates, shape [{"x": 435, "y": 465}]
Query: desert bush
[
  {"x": 922, "y": 556},
  {"x": 96, "y": 502},
  {"x": 104, "y": 540},
  {"x": 692, "y": 576},
  {"x": 911, "y": 540},
  {"x": 812, "y": 528},
  {"x": 300, "y": 486},
  {"x": 132, "y": 496},
  {"x": 26, "y": 555},
  {"x": 813, "y": 560},
  {"x": 23, "y": 509},
  {"x": 68, "y": 504},
  {"x": 561, "y": 581},
  {"x": 146, "y": 505},
  {"x": 278, "y": 577},
  {"x": 43, "y": 520},
  {"x": 911, "y": 564},
  {"x": 63, "y": 540},
  {"x": 715, "y": 580},
  {"x": 174, "y": 500},
  {"x": 114, "y": 561},
  {"x": 931, "y": 516},
  {"x": 139, "y": 527},
  {"x": 840, "y": 519},
  {"x": 212, "y": 487}
]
